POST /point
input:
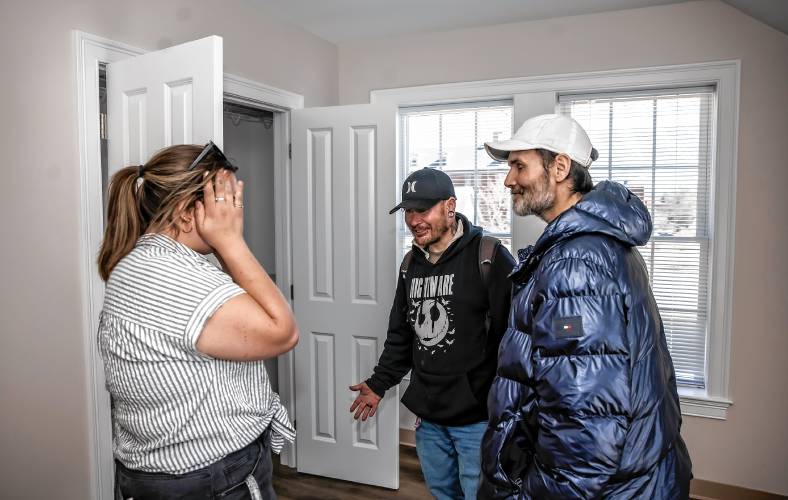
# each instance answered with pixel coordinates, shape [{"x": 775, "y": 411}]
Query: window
[
  {"x": 697, "y": 300},
  {"x": 659, "y": 144},
  {"x": 451, "y": 138}
]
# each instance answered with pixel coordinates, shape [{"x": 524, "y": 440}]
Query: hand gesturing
[{"x": 366, "y": 404}]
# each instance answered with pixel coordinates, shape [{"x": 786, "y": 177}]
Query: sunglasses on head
[{"x": 213, "y": 152}]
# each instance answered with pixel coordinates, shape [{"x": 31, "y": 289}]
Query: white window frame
[
  {"x": 539, "y": 94},
  {"x": 402, "y": 159}
]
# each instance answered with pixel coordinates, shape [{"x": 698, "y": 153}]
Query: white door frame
[{"x": 89, "y": 52}]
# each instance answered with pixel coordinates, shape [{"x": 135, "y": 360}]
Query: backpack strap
[
  {"x": 487, "y": 250},
  {"x": 403, "y": 267}
]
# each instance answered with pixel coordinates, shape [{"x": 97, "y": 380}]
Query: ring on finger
[{"x": 219, "y": 198}]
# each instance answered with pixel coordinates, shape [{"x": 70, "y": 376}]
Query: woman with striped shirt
[{"x": 182, "y": 341}]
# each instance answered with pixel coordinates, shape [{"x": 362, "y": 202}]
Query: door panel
[
  {"x": 171, "y": 96},
  {"x": 344, "y": 277}
]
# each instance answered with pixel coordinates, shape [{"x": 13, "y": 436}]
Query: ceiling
[
  {"x": 352, "y": 20},
  {"x": 771, "y": 12}
]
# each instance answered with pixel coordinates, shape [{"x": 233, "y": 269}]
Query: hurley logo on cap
[{"x": 433, "y": 186}]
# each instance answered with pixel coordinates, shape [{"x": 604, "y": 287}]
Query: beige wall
[
  {"x": 43, "y": 420},
  {"x": 750, "y": 448},
  {"x": 43, "y": 398}
]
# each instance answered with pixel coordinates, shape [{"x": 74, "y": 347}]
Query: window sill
[
  {"x": 694, "y": 403},
  {"x": 697, "y": 403}
]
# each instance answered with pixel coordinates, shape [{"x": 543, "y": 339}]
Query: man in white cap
[{"x": 585, "y": 402}]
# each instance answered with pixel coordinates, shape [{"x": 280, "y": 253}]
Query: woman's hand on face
[{"x": 219, "y": 216}]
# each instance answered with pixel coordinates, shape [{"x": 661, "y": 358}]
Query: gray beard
[
  {"x": 535, "y": 200},
  {"x": 528, "y": 205}
]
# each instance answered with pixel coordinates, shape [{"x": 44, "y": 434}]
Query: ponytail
[
  {"x": 124, "y": 223},
  {"x": 168, "y": 186}
]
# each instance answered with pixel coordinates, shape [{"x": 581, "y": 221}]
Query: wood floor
[{"x": 292, "y": 485}]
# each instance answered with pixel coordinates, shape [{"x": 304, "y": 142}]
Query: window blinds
[
  {"x": 451, "y": 138},
  {"x": 658, "y": 144}
]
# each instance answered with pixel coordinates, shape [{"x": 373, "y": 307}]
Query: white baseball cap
[{"x": 556, "y": 133}]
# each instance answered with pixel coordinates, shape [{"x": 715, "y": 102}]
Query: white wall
[
  {"x": 750, "y": 448},
  {"x": 43, "y": 379}
]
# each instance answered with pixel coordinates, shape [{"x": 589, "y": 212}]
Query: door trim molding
[
  {"x": 243, "y": 91},
  {"x": 89, "y": 52}
]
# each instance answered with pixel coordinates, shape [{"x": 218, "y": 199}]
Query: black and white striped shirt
[{"x": 175, "y": 409}]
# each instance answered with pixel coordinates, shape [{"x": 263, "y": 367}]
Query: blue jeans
[
  {"x": 450, "y": 458},
  {"x": 225, "y": 479}
]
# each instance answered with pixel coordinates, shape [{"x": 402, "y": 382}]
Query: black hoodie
[{"x": 437, "y": 329}]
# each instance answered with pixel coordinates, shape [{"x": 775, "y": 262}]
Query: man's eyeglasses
[{"x": 217, "y": 156}]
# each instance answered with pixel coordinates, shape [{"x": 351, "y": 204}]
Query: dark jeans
[{"x": 225, "y": 479}]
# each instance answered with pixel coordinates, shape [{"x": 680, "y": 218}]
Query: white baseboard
[{"x": 407, "y": 437}]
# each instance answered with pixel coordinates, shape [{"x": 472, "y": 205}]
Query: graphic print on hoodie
[
  {"x": 430, "y": 312},
  {"x": 438, "y": 331}
]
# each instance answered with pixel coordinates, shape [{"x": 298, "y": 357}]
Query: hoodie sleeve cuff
[{"x": 376, "y": 387}]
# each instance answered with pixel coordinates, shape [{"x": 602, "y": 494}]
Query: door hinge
[
  {"x": 290, "y": 150},
  {"x": 103, "y": 125}
]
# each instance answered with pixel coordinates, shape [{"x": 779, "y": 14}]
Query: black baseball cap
[{"x": 424, "y": 188}]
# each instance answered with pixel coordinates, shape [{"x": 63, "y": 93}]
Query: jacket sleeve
[
  {"x": 505, "y": 445},
  {"x": 499, "y": 292},
  {"x": 508, "y": 442},
  {"x": 397, "y": 357},
  {"x": 581, "y": 374}
]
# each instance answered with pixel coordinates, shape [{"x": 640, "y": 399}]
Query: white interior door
[
  {"x": 344, "y": 275},
  {"x": 171, "y": 96}
]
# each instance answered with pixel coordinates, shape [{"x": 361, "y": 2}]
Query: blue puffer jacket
[{"x": 585, "y": 402}]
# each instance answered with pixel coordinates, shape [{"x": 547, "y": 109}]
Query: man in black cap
[{"x": 449, "y": 314}]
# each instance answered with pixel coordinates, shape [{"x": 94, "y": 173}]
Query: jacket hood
[
  {"x": 610, "y": 209},
  {"x": 470, "y": 232}
]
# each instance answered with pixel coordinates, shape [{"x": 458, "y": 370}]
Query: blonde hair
[{"x": 149, "y": 197}]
